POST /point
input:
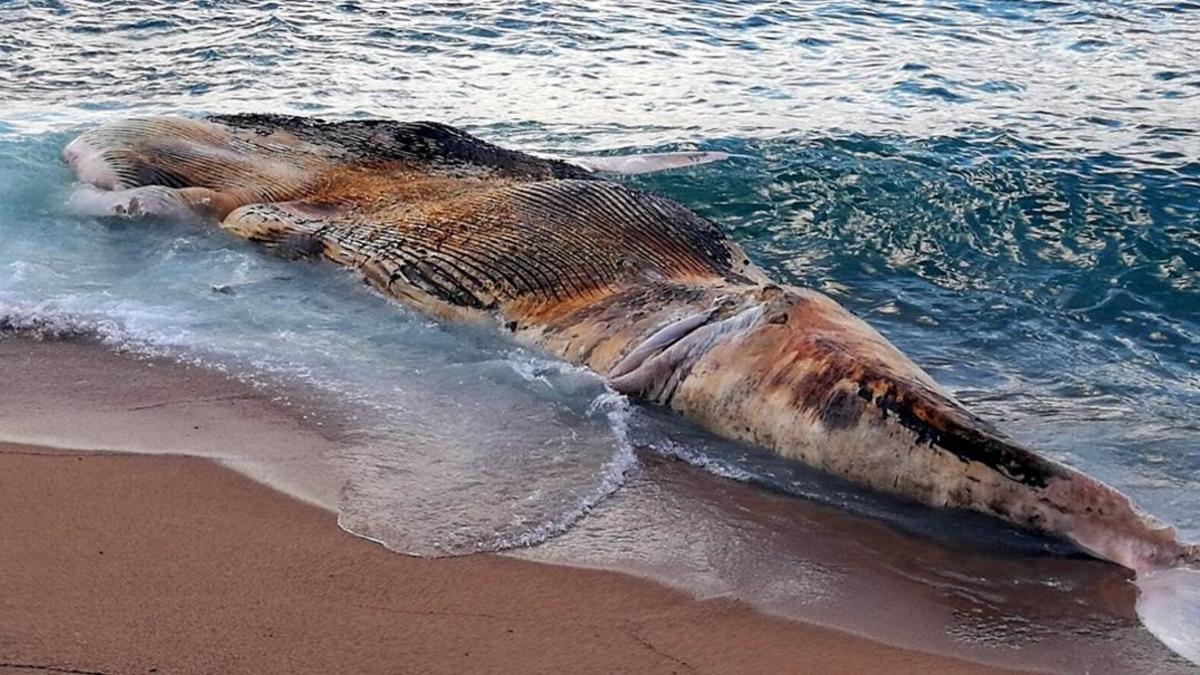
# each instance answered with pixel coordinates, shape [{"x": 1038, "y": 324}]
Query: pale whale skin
[{"x": 632, "y": 285}]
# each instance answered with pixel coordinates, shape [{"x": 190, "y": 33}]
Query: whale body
[{"x": 634, "y": 286}]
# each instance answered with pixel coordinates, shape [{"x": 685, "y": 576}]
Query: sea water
[{"x": 1010, "y": 192}]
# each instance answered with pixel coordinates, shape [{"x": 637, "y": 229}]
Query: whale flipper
[{"x": 646, "y": 163}]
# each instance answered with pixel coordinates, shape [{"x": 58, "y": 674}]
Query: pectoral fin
[{"x": 648, "y": 163}]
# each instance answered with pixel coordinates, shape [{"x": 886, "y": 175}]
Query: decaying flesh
[{"x": 633, "y": 285}]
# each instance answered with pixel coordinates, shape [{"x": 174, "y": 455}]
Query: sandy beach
[{"x": 129, "y": 563}]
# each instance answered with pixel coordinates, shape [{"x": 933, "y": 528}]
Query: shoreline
[
  {"x": 175, "y": 564},
  {"x": 122, "y": 556}
]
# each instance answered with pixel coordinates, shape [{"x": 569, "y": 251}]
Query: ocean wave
[{"x": 382, "y": 425}]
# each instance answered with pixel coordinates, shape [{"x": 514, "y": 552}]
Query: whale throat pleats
[
  {"x": 423, "y": 209},
  {"x": 474, "y": 244}
]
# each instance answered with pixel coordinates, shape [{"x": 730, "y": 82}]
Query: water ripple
[{"x": 1113, "y": 76}]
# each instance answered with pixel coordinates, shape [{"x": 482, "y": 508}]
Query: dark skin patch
[
  {"x": 426, "y": 142},
  {"x": 937, "y": 421},
  {"x": 842, "y": 410},
  {"x": 298, "y": 246}
]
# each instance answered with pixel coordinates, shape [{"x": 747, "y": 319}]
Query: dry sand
[{"x": 127, "y": 563}]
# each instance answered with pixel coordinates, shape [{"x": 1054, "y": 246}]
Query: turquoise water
[{"x": 1009, "y": 191}]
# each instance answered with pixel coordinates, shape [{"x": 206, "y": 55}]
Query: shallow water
[{"x": 1009, "y": 192}]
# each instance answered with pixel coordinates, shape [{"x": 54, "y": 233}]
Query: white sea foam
[
  {"x": 616, "y": 408},
  {"x": 714, "y": 464},
  {"x": 415, "y": 414}
]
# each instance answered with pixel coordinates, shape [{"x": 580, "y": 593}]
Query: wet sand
[{"x": 128, "y": 563}]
